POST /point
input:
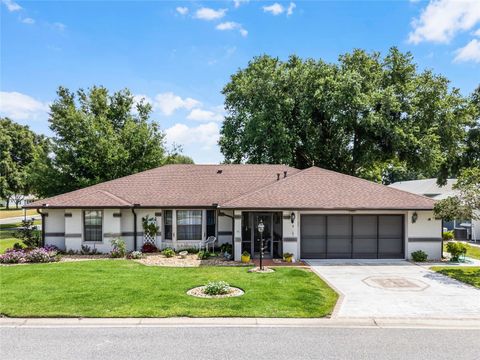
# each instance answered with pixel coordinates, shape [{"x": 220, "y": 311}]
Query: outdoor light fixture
[
  {"x": 414, "y": 217},
  {"x": 292, "y": 217},
  {"x": 261, "y": 228}
]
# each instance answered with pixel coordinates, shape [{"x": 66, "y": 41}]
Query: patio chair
[{"x": 204, "y": 244}]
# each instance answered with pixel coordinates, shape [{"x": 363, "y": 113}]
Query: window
[
  {"x": 92, "y": 225},
  {"x": 210, "y": 223},
  {"x": 189, "y": 224},
  {"x": 167, "y": 223}
]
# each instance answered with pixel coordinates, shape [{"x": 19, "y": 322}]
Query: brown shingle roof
[
  {"x": 173, "y": 186},
  {"x": 240, "y": 186},
  {"x": 316, "y": 188}
]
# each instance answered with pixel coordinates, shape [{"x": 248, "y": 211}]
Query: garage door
[{"x": 352, "y": 237}]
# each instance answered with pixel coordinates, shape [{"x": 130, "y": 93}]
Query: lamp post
[{"x": 261, "y": 227}]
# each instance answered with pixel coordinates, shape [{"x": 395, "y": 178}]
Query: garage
[{"x": 352, "y": 236}]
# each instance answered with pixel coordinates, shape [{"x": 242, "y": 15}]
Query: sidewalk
[{"x": 243, "y": 322}]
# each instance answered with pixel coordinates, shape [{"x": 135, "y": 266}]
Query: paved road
[
  {"x": 236, "y": 343},
  {"x": 16, "y": 219},
  {"x": 396, "y": 288}
]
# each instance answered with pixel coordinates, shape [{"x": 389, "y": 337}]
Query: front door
[{"x": 267, "y": 219}]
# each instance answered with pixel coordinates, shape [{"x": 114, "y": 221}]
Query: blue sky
[{"x": 179, "y": 55}]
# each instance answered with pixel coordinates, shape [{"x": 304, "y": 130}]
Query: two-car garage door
[{"x": 352, "y": 237}]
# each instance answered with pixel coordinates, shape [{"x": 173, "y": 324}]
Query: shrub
[
  {"x": 87, "y": 250},
  {"x": 192, "y": 250},
  {"x": 216, "y": 288},
  {"x": 13, "y": 257},
  {"x": 245, "y": 253},
  {"x": 149, "y": 248},
  {"x": 119, "y": 248},
  {"x": 42, "y": 255},
  {"x": 447, "y": 235},
  {"x": 29, "y": 234},
  {"x": 419, "y": 256},
  {"x": 17, "y": 246},
  {"x": 135, "y": 255},
  {"x": 226, "y": 248},
  {"x": 168, "y": 252},
  {"x": 203, "y": 255},
  {"x": 456, "y": 249}
]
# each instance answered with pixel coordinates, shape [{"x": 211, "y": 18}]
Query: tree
[
  {"x": 368, "y": 116},
  {"x": 465, "y": 205},
  {"x": 18, "y": 144},
  {"x": 98, "y": 137}
]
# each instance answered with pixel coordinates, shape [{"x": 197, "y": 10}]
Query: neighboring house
[
  {"x": 312, "y": 213},
  {"x": 23, "y": 200},
  {"x": 465, "y": 229}
]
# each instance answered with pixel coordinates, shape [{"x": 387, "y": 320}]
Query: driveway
[{"x": 396, "y": 288}]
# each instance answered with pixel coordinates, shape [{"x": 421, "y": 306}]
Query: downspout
[
  {"x": 134, "y": 228},
  {"x": 43, "y": 226}
]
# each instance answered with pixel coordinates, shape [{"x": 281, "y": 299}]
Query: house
[
  {"x": 465, "y": 229},
  {"x": 312, "y": 213}
]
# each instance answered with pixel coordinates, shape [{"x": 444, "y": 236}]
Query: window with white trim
[
  {"x": 189, "y": 224},
  {"x": 92, "y": 225}
]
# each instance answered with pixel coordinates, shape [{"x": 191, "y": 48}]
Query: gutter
[{"x": 43, "y": 226}]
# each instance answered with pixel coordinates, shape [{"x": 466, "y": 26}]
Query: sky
[{"x": 178, "y": 55}]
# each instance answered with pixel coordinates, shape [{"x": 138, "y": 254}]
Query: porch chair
[{"x": 204, "y": 244}]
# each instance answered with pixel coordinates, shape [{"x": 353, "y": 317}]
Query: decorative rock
[
  {"x": 198, "y": 292},
  {"x": 265, "y": 270}
]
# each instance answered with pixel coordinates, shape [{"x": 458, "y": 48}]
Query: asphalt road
[{"x": 236, "y": 343}]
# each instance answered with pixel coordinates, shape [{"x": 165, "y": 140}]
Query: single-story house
[
  {"x": 311, "y": 213},
  {"x": 465, "y": 229}
]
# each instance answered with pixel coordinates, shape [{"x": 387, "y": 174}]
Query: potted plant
[
  {"x": 245, "y": 257},
  {"x": 288, "y": 257}
]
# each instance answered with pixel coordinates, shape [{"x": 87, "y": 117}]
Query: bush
[
  {"x": 29, "y": 234},
  {"x": 226, "y": 248},
  {"x": 149, "y": 248},
  {"x": 447, "y": 235},
  {"x": 13, "y": 257},
  {"x": 119, "y": 248},
  {"x": 87, "y": 250},
  {"x": 203, "y": 255},
  {"x": 135, "y": 255},
  {"x": 192, "y": 250},
  {"x": 419, "y": 256},
  {"x": 456, "y": 249},
  {"x": 216, "y": 288},
  {"x": 42, "y": 255},
  {"x": 168, "y": 252},
  {"x": 17, "y": 246}
]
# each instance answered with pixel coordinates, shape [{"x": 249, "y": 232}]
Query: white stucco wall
[
  {"x": 291, "y": 238},
  {"x": 73, "y": 229},
  {"x": 55, "y": 228},
  {"x": 238, "y": 235},
  {"x": 224, "y": 228},
  {"x": 425, "y": 234}
]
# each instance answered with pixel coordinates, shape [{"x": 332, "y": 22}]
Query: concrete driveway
[{"x": 396, "y": 288}]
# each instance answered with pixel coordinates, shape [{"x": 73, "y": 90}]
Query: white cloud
[
  {"x": 210, "y": 14},
  {"x": 477, "y": 33},
  {"x": 290, "y": 8},
  {"x": 205, "y": 135},
  {"x": 470, "y": 52},
  {"x": 11, "y": 5},
  {"x": 204, "y": 115},
  {"x": 231, "y": 25},
  {"x": 18, "y": 106},
  {"x": 59, "y": 26},
  {"x": 28, "y": 21},
  {"x": 441, "y": 20},
  {"x": 274, "y": 9},
  {"x": 168, "y": 103},
  {"x": 182, "y": 10},
  {"x": 238, "y": 3}
]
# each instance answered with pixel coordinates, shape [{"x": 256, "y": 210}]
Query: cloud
[
  {"x": 18, "y": 106},
  {"x": 28, "y": 21},
  {"x": 182, "y": 10},
  {"x": 274, "y": 9},
  {"x": 210, "y": 14},
  {"x": 205, "y": 135},
  {"x": 290, "y": 8},
  {"x": 470, "y": 52},
  {"x": 58, "y": 26},
  {"x": 11, "y": 5},
  {"x": 231, "y": 25},
  {"x": 204, "y": 115},
  {"x": 477, "y": 33},
  {"x": 238, "y": 3},
  {"x": 441, "y": 20},
  {"x": 168, "y": 103}
]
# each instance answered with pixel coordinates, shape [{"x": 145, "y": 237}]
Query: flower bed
[{"x": 37, "y": 255}]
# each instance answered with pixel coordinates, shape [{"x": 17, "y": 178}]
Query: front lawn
[
  {"x": 4, "y": 213},
  {"x": 466, "y": 274},
  {"x": 472, "y": 251},
  {"x": 122, "y": 288}
]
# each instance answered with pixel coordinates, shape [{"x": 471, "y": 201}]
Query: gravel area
[
  {"x": 198, "y": 292},
  {"x": 191, "y": 260},
  {"x": 70, "y": 258},
  {"x": 259, "y": 270}
]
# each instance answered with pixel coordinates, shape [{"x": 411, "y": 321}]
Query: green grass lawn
[
  {"x": 122, "y": 288},
  {"x": 469, "y": 275},
  {"x": 472, "y": 251}
]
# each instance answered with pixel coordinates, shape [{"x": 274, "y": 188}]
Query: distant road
[
  {"x": 16, "y": 219},
  {"x": 279, "y": 343}
]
